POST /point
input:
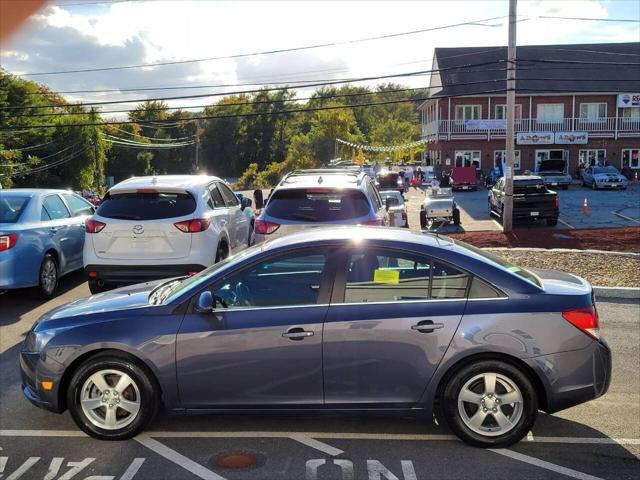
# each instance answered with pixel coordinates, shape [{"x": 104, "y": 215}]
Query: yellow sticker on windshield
[{"x": 386, "y": 276}]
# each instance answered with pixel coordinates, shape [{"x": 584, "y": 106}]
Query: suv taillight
[
  {"x": 585, "y": 319},
  {"x": 193, "y": 226},
  {"x": 557, "y": 201},
  {"x": 8, "y": 241},
  {"x": 265, "y": 228},
  {"x": 378, "y": 222},
  {"x": 93, "y": 226}
]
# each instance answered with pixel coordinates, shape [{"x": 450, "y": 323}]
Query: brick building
[{"x": 580, "y": 103}]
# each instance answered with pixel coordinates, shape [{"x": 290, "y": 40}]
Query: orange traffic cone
[{"x": 585, "y": 207}]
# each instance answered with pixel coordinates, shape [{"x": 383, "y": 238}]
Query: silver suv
[{"x": 318, "y": 197}]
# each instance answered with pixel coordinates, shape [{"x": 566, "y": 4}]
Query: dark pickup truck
[{"x": 531, "y": 199}]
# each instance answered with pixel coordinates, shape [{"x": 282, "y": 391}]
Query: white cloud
[{"x": 65, "y": 38}]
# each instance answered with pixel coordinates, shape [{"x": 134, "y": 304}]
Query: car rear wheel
[
  {"x": 221, "y": 253},
  {"x": 48, "y": 277},
  {"x": 423, "y": 219},
  {"x": 552, "y": 222},
  {"x": 489, "y": 403},
  {"x": 456, "y": 217},
  {"x": 111, "y": 398}
]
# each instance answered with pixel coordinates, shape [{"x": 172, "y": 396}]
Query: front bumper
[
  {"x": 33, "y": 371},
  {"x": 131, "y": 274},
  {"x": 575, "y": 377}
]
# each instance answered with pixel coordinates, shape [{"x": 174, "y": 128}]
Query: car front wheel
[
  {"x": 111, "y": 397},
  {"x": 489, "y": 403}
]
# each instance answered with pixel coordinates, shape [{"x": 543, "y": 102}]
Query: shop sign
[
  {"x": 534, "y": 138},
  {"x": 628, "y": 100},
  {"x": 572, "y": 138}
]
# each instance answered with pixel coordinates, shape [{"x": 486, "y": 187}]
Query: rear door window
[
  {"x": 216, "y": 197},
  {"x": 147, "y": 206},
  {"x": 55, "y": 207},
  {"x": 317, "y": 205},
  {"x": 448, "y": 281},
  {"x": 78, "y": 206},
  {"x": 229, "y": 197},
  {"x": 11, "y": 207}
]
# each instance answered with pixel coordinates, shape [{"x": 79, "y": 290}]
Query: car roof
[
  {"x": 170, "y": 182},
  {"x": 33, "y": 191},
  {"x": 322, "y": 178},
  {"x": 358, "y": 233}
]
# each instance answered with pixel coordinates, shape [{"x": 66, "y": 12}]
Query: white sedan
[{"x": 396, "y": 207}]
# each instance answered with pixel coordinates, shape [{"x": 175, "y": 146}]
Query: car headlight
[{"x": 36, "y": 341}]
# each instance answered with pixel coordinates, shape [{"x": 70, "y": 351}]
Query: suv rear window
[
  {"x": 529, "y": 186},
  {"x": 146, "y": 206},
  {"x": 317, "y": 205},
  {"x": 11, "y": 207}
]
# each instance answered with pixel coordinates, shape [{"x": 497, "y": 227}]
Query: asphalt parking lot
[
  {"x": 600, "y": 439},
  {"x": 619, "y": 208}
]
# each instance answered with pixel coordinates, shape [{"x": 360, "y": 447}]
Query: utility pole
[
  {"x": 507, "y": 212},
  {"x": 197, "y": 149}
]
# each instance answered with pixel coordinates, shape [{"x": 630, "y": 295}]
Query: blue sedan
[
  {"x": 41, "y": 237},
  {"x": 352, "y": 318}
]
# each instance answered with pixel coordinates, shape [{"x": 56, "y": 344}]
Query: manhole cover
[{"x": 238, "y": 460}]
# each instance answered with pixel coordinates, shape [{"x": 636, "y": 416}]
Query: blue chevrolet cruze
[
  {"x": 352, "y": 318},
  {"x": 41, "y": 237}
]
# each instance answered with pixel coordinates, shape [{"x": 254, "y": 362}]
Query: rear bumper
[
  {"x": 542, "y": 213},
  {"x": 130, "y": 274},
  {"x": 16, "y": 271},
  {"x": 575, "y": 377}
]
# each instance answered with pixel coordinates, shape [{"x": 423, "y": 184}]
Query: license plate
[
  {"x": 465, "y": 187},
  {"x": 554, "y": 184},
  {"x": 534, "y": 214}
]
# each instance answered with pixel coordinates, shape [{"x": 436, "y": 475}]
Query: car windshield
[
  {"x": 146, "y": 206},
  {"x": 12, "y": 206},
  {"x": 501, "y": 262},
  {"x": 168, "y": 291},
  {"x": 317, "y": 204},
  {"x": 605, "y": 170}
]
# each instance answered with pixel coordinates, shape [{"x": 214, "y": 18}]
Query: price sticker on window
[{"x": 386, "y": 276}]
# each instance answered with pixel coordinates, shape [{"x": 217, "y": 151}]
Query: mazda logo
[{"x": 138, "y": 229}]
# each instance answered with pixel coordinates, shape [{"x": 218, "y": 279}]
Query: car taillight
[
  {"x": 586, "y": 319},
  {"x": 378, "y": 222},
  {"x": 193, "y": 226},
  {"x": 8, "y": 241},
  {"x": 557, "y": 202},
  {"x": 93, "y": 226},
  {"x": 265, "y": 228}
]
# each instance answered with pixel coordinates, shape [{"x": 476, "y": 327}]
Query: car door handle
[
  {"x": 297, "y": 333},
  {"x": 427, "y": 326}
]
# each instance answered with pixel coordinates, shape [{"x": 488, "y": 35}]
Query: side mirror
[
  {"x": 204, "y": 303},
  {"x": 258, "y": 199},
  {"x": 245, "y": 202}
]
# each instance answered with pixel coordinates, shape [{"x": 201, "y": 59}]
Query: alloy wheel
[
  {"x": 48, "y": 276},
  {"x": 490, "y": 404},
  {"x": 110, "y": 399}
]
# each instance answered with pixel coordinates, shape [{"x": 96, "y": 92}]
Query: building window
[
  {"x": 593, "y": 111},
  {"x": 468, "y": 158},
  {"x": 500, "y": 158},
  {"x": 592, "y": 157},
  {"x": 631, "y": 157},
  {"x": 501, "y": 112},
  {"x": 550, "y": 112},
  {"x": 468, "y": 112},
  {"x": 431, "y": 157},
  {"x": 632, "y": 114}
]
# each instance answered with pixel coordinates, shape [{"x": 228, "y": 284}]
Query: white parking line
[
  {"x": 177, "y": 458},
  {"x": 311, "y": 442},
  {"x": 566, "y": 223},
  {"x": 625, "y": 217},
  {"x": 546, "y": 465}
]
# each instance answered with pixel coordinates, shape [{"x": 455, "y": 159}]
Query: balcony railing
[{"x": 600, "y": 125}]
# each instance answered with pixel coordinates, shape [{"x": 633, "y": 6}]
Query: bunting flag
[{"x": 382, "y": 148}]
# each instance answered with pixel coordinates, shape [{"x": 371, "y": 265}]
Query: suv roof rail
[{"x": 352, "y": 172}]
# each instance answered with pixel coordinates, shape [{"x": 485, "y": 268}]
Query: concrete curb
[
  {"x": 564, "y": 250},
  {"x": 632, "y": 293}
]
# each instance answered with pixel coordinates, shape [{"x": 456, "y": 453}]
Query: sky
[{"x": 81, "y": 34}]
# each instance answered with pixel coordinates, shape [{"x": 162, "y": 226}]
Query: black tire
[
  {"x": 149, "y": 396},
  {"x": 423, "y": 219},
  {"x": 449, "y": 403},
  {"x": 94, "y": 288},
  {"x": 593, "y": 185},
  {"x": 456, "y": 217},
  {"x": 221, "y": 252},
  {"x": 584, "y": 184},
  {"x": 552, "y": 222},
  {"x": 565, "y": 187},
  {"x": 48, "y": 277}
]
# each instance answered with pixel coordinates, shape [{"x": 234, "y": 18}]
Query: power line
[
  {"x": 48, "y": 166},
  {"x": 240, "y": 92},
  {"x": 270, "y": 52},
  {"x": 621, "y": 20}
]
